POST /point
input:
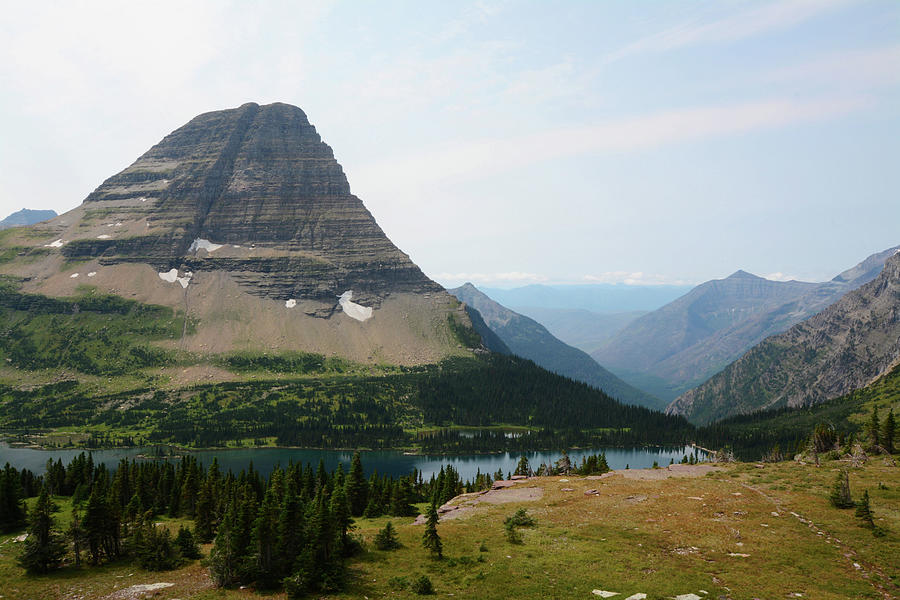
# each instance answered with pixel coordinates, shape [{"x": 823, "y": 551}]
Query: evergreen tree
[
  {"x": 265, "y": 540},
  {"x": 225, "y": 556},
  {"x": 187, "y": 543},
  {"x": 101, "y": 531},
  {"x": 12, "y": 503},
  {"x": 430, "y": 539},
  {"x": 864, "y": 511},
  {"x": 204, "y": 522},
  {"x": 356, "y": 487},
  {"x": 76, "y": 535},
  {"x": 340, "y": 515},
  {"x": 840, "y": 493},
  {"x": 155, "y": 548},
  {"x": 889, "y": 432},
  {"x": 522, "y": 468},
  {"x": 873, "y": 429},
  {"x": 44, "y": 548},
  {"x": 291, "y": 533},
  {"x": 386, "y": 538}
]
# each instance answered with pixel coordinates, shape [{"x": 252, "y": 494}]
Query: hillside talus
[{"x": 843, "y": 348}]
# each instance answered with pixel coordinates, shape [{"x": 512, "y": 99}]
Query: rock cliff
[{"x": 843, "y": 348}]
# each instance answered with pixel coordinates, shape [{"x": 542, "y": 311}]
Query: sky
[{"x": 506, "y": 143}]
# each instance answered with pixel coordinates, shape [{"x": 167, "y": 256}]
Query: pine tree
[
  {"x": 187, "y": 543},
  {"x": 12, "y": 504},
  {"x": 430, "y": 539},
  {"x": 387, "y": 539},
  {"x": 864, "y": 511},
  {"x": 873, "y": 429},
  {"x": 889, "y": 432},
  {"x": 265, "y": 540},
  {"x": 76, "y": 535},
  {"x": 356, "y": 487},
  {"x": 522, "y": 468},
  {"x": 44, "y": 548},
  {"x": 840, "y": 493}
]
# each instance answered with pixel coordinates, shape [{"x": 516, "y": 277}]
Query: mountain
[
  {"x": 26, "y": 216},
  {"x": 529, "y": 339},
  {"x": 597, "y": 297},
  {"x": 682, "y": 344},
  {"x": 244, "y": 220},
  {"x": 586, "y": 330},
  {"x": 845, "y": 347}
]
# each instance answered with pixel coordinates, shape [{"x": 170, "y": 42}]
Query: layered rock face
[
  {"x": 244, "y": 219},
  {"x": 843, "y": 348},
  {"x": 258, "y": 184}
]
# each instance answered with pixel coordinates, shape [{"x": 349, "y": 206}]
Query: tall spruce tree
[
  {"x": 873, "y": 429},
  {"x": 356, "y": 487},
  {"x": 44, "y": 547},
  {"x": 12, "y": 503},
  {"x": 430, "y": 539},
  {"x": 864, "y": 511},
  {"x": 889, "y": 432},
  {"x": 840, "y": 492}
]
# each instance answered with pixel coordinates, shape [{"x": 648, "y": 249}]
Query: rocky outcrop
[
  {"x": 529, "y": 339},
  {"x": 259, "y": 183},
  {"x": 685, "y": 342},
  {"x": 845, "y": 347}
]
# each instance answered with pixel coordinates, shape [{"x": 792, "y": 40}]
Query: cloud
[
  {"x": 779, "y": 276},
  {"x": 758, "y": 20},
  {"x": 866, "y": 68},
  {"x": 488, "y": 156},
  {"x": 633, "y": 278},
  {"x": 507, "y": 277}
]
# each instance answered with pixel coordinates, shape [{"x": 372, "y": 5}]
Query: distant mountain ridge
[
  {"x": 584, "y": 329},
  {"x": 26, "y": 216},
  {"x": 682, "y": 344},
  {"x": 845, "y": 347},
  {"x": 594, "y": 297},
  {"x": 529, "y": 339}
]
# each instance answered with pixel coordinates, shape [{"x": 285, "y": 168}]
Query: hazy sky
[{"x": 507, "y": 142}]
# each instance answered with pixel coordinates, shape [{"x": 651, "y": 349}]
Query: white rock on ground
[
  {"x": 638, "y": 596},
  {"x": 688, "y": 597},
  {"x": 604, "y": 593},
  {"x": 73, "y": 275}
]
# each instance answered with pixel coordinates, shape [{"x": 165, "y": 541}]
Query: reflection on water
[{"x": 384, "y": 461}]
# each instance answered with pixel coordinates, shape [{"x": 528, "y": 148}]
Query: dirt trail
[{"x": 867, "y": 570}]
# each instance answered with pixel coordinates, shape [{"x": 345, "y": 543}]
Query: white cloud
[
  {"x": 866, "y": 68},
  {"x": 779, "y": 276},
  {"x": 507, "y": 277},
  {"x": 758, "y": 20},
  {"x": 488, "y": 156},
  {"x": 633, "y": 278}
]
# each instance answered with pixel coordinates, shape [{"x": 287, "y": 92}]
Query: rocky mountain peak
[
  {"x": 741, "y": 274},
  {"x": 254, "y": 191}
]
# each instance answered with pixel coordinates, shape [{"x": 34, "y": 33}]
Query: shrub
[
  {"x": 422, "y": 586},
  {"x": 386, "y": 539}
]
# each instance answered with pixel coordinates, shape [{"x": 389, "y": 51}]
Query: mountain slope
[
  {"x": 527, "y": 338},
  {"x": 845, "y": 347},
  {"x": 685, "y": 342},
  {"x": 595, "y": 297},
  {"x": 26, "y": 216},
  {"x": 586, "y": 330},
  {"x": 244, "y": 220}
]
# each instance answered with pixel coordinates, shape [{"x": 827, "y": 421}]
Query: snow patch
[
  {"x": 92, "y": 273},
  {"x": 290, "y": 303},
  {"x": 204, "y": 244},
  {"x": 169, "y": 276},
  {"x": 56, "y": 244},
  {"x": 73, "y": 275},
  {"x": 184, "y": 280},
  {"x": 352, "y": 309},
  {"x": 103, "y": 237}
]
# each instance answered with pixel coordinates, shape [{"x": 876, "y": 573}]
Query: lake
[{"x": 389, "y": 462}]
